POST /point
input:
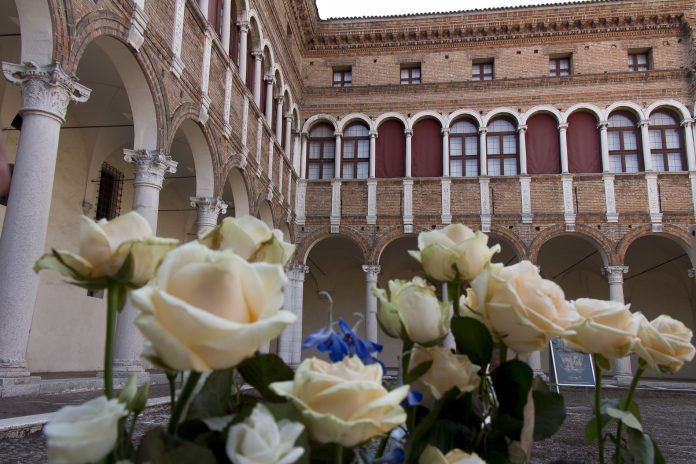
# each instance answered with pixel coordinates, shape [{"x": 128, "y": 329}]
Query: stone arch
[
  {"x": 256, "y": 39},
  {"x": 238, "y": 184},
  {"x": 426, "y": 114},
  {"x": 463, "y": 114},
  {"x": 509, "y": 112},
  {"x": 588, "y": 107},
  {"x": 269, "y": 65},
  {"x": 673, "y": 105},
  {"x": 36, "y": 28},
  {"x": 670, "y": 231},
  {"x": 627, "y": 106},
  {"x": 384, "y": 240},
  {"x": 185, "y": 118},
  {"x": 346, "y": 120},
  {"x": 603, "y": 245},
  {"x": 390, "y": 115},
  {"x": 548, "y": 109},
  {"x": 513, "y": 240},
  {"x": 308, "y": 242},
  {"x": 265, "y": 213},
  {"x": 318, "y": 118}
]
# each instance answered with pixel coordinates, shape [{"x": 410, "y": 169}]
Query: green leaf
[
  {"x": 215, "y": 398},
  {"x": 162, "y": 448},
  {"x": 632, "y": 408},
  {"x": 641, "y": 447},
  {"x": 473, "y": 339},
  {"x": 549, "y": 414},
  {"x": 264, "y": 369},
  {"x": 659, "y": 458},
  {"x": 591, "y": 432},
  {"x": 494, "y": 449},
  {"x": 417, "y": 372},
  {"x": 512, "y": 381},
  {"x": 628, "y": 419},
  {"x": 419, "y": 436},
  {"x": 602, "y": 362}
]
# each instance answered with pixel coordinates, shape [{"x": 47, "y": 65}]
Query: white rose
[
  {"x": 210, "y": 309},
  {"x": 432, "y": 455},
  {"x": 606, "y": 327},
  {"x": 414, "y": 306},
  {"x": 260, "y": 440},
  {"x": 448, "y": 370},
  {"x": 664, "y": 343},
  {"x": 251, "y": 239},
  {"x": 84, "y": 433},
  {"x": 343, "y": 402},
  {"x": 454, "y": 253},
  {"x": 104, "y": 247},
  {"x": 520, "y": 308}
]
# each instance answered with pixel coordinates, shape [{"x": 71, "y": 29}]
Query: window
[
  {"x": 410, "y": 74},
  {"x": 321, "y": 152},
  {"x": 665, "y": 142},
  {"x": 559, "y": 67},
  {"x": 355, "y": 158},
  {"x": 482, "y": 71},
  {"x": 343, "y": 77},
  {"x": 501, "y": 145},
  {"x": 624, "y": 154},
  {"x": 464, "y": 149},
  {"x": 110, "y": 189},
  {"x": 639, "y": 61}
]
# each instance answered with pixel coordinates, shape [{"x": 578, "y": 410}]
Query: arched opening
[
  {"x": 584, "y": 149},
  {"x": 658, "y": 282},
  {"x": 391, "y": 150},
  {"x": 501, "y": 147},
  {"x": 625, "y": 149},
  {"x": 266, "y": 214},
  {"x": 234, "y": 32},
  {"x": 321, "y": 152},
  {"x": 253, "y": 44},
  {"x": 235, "y": 194},
  {"x": 507, "y": 254},
  {"x": 426, "y": 148},
  {"x": 543, "y": 145},
  {"x": 266, "y": 73},
  {"x": 464, "y": 148},
  {"x": 334, "y": 267},
  {"x": 355, "y": 155},
  {"x": 666, "y": 141}
]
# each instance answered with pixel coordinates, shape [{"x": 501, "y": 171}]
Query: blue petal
[
  {"x": 395, "y": 456},
  {"x": 413, "y": 398}
]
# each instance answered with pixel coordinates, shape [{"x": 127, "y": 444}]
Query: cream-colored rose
[
  {"x": 260, "y": 440},
  {"x": 520, "y": 308},
  {"x": 448, "y": 370},
  {"x": 664, "y": 343},
  {"x": 104, "y": 247},
  {"x": 605, "y": 327},
  {"x": 210, "y": 309},
  {"x": 454, "y": 253},
  {"x": 414, "y": 306},
  {"x": 84, "y": 433},
  {"x": 251, "y": 239},
  {"x": 343, "y": 402},
  {"x": 432, "y": 455}
]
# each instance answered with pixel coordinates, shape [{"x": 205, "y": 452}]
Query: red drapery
[
  {"x": 584, "y": 149},
  {"x": 426, "y": 149},
  {"x": 234, "y": 35},
  {"x": 543, "y": 145},
  {"x": 250, "y": 68},
  {"x": 391, "y": 150}
]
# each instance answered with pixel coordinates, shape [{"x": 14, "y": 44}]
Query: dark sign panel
[{"x": 571, "y": 368}]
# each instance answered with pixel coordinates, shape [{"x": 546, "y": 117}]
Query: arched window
[
  {"x": 665, "y": 142},
  {"x": 501, "y": 143},
  {"x": 464, "y": 149},
  {"x": 624, "y": 148},
  {"x": 355, "y": 157},
  {"x": 321, "y": 152}
]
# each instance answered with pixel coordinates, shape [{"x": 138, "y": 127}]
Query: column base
[
  {"x": 20, "y": 386},
  {"x": 623, "y": 380},
  {"x": 122, "y": 370}
]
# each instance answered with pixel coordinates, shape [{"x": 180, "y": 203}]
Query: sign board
[{"x": 571, "y": 368}]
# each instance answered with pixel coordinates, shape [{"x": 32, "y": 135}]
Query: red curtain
[
  {"x": 214, "y": 15},
  {"x": 584, "y": 149},
  {"x": 391, "y": 150},
  {"x": 543, "y": 145},
  {"x": 250, "y": 68},
  {"x": 262, "y": 107},
  {"x": 234, "y": 35},
  {"x": 426, "y": 149}
]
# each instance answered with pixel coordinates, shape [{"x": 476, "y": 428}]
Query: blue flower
[
  {"x": 413, "y": 398},
  {"x": 327, "y": 340},
  {"x": 343, "y": 342},
  {"x": 395, "y": 456}
]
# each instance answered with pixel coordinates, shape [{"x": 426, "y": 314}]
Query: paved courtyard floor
[{"x": 670, "y": 417}]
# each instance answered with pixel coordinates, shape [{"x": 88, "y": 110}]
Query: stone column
[
  {"x": 208, "y": 209},
  {"x": 226, "y": 25},
  {"x": 296, "y": 274},
  {"x": 645, "y": 141},
  {"x": 483, "y": 161},
  {"x": 446, "y": 152},
  {"x": 689, "y": 142},
  {"x": 615, "y": 276},
  {"x": 408, "y": 133},
  {"x": 373, "y": 153},
  {"x": 268, "y": 111},
  {"x": 150, "y": 167},
  {"x": 371, "y": 273},
  {"x": 604, "y": 144},
  {"x": 46, "y": 93},
  {"x": 523, "y": 149},
  {"x": 337, "y": 155},
  {"x": 562, "y": 132},
  {"x": 303, "y": 155},
  {"x": 287, "y": 142},
  {"x": 279, "y": 119},
  {"x": 243, "y": 32},
  {"x": 203, "y": 4},
  {"x": 286, "y": 337},
  {"x": 256, "y": 92}
]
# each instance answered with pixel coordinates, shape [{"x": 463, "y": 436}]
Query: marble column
[
  {"x": 203, "y": 4},
  {"x": 483, "y": 155},
  {"x": 645, "y": 141},
  {"x": 523, "y": 149},
  {"x": 226, "y": 25},
  {"x": 409, "y": 135},
  {"x": 689, "y": 142},
  {"x": 279, "y": 119},
  {"x": 563, "y": 134},
  {"x": 46, "y": 92},
  {"x": 337, "y": 154},
  {"x": 615, "y": 276},
  {"x": 296, "y": 274},
  {"x": 150, "y": 167},
  {"x": 242, "y": 65},
  {"x": 373, "y": 153},
  {"x": 256, "y": 92},
  {"x": 604, "y": 145},
  {"x": 287, "y": 142},
  {"x": 371, "y": 273},
  {"x": 446, "y": 152},
  {"x": 303, "y": 155},
  {"x": 268, "y": 111},
  {"x": 286, "y": 337},
  {"x": 208, "y": 209}
]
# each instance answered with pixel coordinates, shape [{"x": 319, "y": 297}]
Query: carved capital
[
  {"x": 338, "y": 134},
  {"x": 304, "y": 134},
  {"x": 150, "y": 166},
  {"x": 522, "y": 129},
  {"x": 615, "y": 273},
  {"x": 258, "y": 55},
  {"x": 687, "y": 122},
  {"x": 408, "y": 132},
  {"x": 602, "y": 125},
  {"x": 371, "y": 271},
  {"x": 445, "y": 130},
  {"x": 643, "y": 122},
  {"x": 563, "y": 126},
  {"x": 45, "y": 89},
  {"x": 297, "y": 272},
  {"x": 373, "y": 134},
  {"x": 243, "y": 26},
  {"x": 212, "y": 206},
  {"x": 483, "y": 130},
  {"x": 269, "y": 79}
]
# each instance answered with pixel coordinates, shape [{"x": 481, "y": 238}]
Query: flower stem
[
  {"x": 405, "y": 359},
  {"x": 171, "y": 378},
  {"x": 598, "y": 409},
  {"x": 338, "y": 453},
  {"x": 382, "y": 446},
  {"x": 503, "y": 353},
  {"x": 183, "y": 400},
  {"x": 113, "y": 305},
  {"x": 454, "y": 292},
  {"x": 626, "y": 406}
]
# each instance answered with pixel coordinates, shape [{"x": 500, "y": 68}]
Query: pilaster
[
  {"x": 136, "y": 32},
  {"x": 408, "y": 206},
  {"x": 485, "y": 191},
  {"x": 446, "y": 217},
  {"x": 371, "y": 201},
  {"x": 335, "y": 205},
  {"x": 568, "y": 203},
  {"x": 526, "y": 198},
  {"x": 610, "y": 198}
]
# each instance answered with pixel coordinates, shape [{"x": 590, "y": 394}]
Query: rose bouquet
[{"x": 464, "y": 393}]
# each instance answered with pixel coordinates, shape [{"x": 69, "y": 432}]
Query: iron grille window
[{"x": 110, "y": 190}]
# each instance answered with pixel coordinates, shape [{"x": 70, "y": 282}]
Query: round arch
[
  {"x": 426, "y": 114},
  {"x": 256, "y": 39},
  {"x": 318, "y": 118},
  {"x": 310, "y": 241},
  {"x": 673, "y": 105},
  {"x": 674, "y": 233},
  {"x": 627, "y": 106},
  {"x": 239, "y": 190},
  {"x": 497, "y": 112},
  {"x": 500, "y": 234},
  {"x": 548, "y": 109},
  {"x": 464, "y": 113},
  {"x": 388, "y": 116},
  {"x": 265, "y": 213},
  {"x": 36, "y": 29},
  {"x": 201, "y": 152},
  {"x": 346, "y": 120},
  {"x": 597, "y": 239},
  {"x": 588, "y": 107}
]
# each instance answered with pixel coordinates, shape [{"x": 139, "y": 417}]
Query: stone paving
[{"x": 672, "y": 422}]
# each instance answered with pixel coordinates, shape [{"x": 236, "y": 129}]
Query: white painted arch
[
  {"x": 674, "y": 105},
  {"x": 497, "y": 112},
  {"x": 36, "y": 31},
  {"x": 426, "y": 114},
  {"x": 588, "y": 107},
  {"x": 625, "y": 105},
  {"x": 390, "y": 115},
  {"x": 346, "y": 120},
  {"x": 319, "y": 118},
  {"x": 202, "y": 158},
  {"x": 463, "y": 114},
  {"x": 542, "y": 109}
]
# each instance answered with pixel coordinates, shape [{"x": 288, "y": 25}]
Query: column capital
[
  {"x": 304, "y": 134},
  {"x": 602, "y": 125},
  {"x": 445, "y": 130},
  {"x": 522, "y": 128},
  {"x": 691, "y": 273},
  {"x": 688, "y": 122},
  {"x": 243, "y": 26},
  {"x": 297, "y": 271},
  {"x": 373, "y": 134},
  {"x": 288, "y": 115},
  {"x": 482, "y": 130},
  {"x": 210, "y": 205},
  {"x": 408, "y": 132},
  {"x": 150, "y": 166},
  {"x": 643, "y": 122},
  {"x": 563, "y": 126},
  {"x": 45, "y": 89},
  {"x": 372, "y": 271},
  {"x": 269, "y": 79},
  {"x": 615, "y": 273},
  {"x": 338, "y": 134},
  {"x": 257, "y": 54}
]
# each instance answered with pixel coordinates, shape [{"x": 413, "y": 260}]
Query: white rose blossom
[
  {"x": 664, "y": 343},
  {"x": 260, "y": 440},
  {"x": 432, "y": 455},
  {"x": 84, "y": 433}
]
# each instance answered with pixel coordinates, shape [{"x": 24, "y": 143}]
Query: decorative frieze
[
  {"x": 446, "y": 217},
  {"x": 408, "y": 205},
  {"x": 335, "y": 205},
  {"x": 485, "y": 191},
  {"x": 610, "y": 198},
  {"x": 568, "y": 206},
  {"x": 526, "y": 199}
]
